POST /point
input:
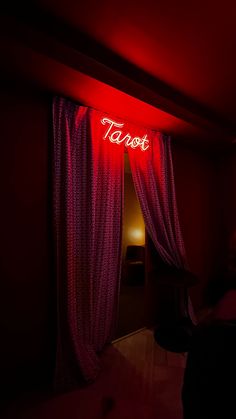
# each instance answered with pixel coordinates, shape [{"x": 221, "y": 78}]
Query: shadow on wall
[{"x": 226, "y": 277}]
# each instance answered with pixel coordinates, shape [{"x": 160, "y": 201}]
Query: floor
[
  {"x": 138, "y": 380},
  {"x": 131, "y": 310}
]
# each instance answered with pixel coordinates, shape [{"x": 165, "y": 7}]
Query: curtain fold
[
  {"x": 88, "y": 208},
  {"x": 153, "y": 177}
]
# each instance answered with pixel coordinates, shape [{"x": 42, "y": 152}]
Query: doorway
[{"x": 132, "y": 290}]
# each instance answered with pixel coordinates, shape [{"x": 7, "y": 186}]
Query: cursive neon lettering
[
  {"x": 115, "y": 137},
  {"x": 112, "y": 123},
  {"x": 126, "y": 139},
  {"x": 145, "y": 141},
  {"x": 119, "y": 137}
]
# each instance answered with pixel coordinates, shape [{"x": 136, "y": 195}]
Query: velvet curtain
[
  {"x": 153, "y": 177},
  {"x": 88, "y": 207}
]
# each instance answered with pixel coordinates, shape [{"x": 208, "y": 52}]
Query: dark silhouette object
[
  {"x": 175, "y": 337},
  {"x": 135, "y": 253},
  {"x": 108, "y": 404},
  {"x": 134, "y": 265},
  {"x": 209, "y": 381},
  {"x": 225, "y": 280},
  {"x": 175, "y": 327}
]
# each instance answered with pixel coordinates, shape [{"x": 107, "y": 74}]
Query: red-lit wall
[
  {"x": 27, "y": 295},
  {"x": 199, "y": 203}
]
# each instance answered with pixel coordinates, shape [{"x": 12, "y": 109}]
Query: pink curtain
[
  {"x": 152, "y": 172},
  {"x": 88, "y": 207}
]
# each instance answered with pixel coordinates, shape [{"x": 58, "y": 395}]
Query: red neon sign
[{"x": 118, "y": 137}]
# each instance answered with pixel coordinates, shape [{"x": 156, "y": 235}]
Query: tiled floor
[{"x": 138, "y": 380}]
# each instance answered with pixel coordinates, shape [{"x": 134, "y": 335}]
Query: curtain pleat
[
  {"x": 153, "y": 177},
  {"x": 88, "y": 207}
]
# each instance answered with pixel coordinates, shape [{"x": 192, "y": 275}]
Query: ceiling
[{"x": 167, "y": 64}]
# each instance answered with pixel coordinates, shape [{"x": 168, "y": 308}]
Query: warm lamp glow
[{"x": 136, "y": 235}]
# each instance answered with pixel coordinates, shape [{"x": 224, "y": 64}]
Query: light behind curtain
[
  {"x": 153, "y": 177},
  {"x": 88, "y": 207}
]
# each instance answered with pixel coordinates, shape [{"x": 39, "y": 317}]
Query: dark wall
[
  {"x": 26, "y": 278},
  {"x": 228, "y": 175}
]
